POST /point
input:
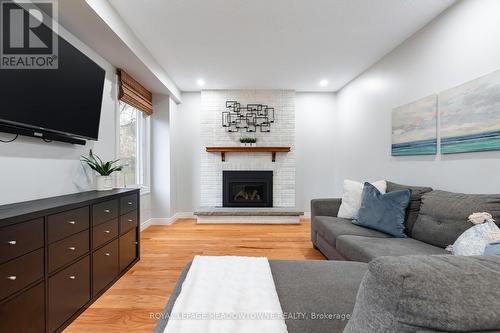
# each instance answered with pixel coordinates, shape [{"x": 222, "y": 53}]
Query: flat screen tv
[{"x": 54, "y": 103}]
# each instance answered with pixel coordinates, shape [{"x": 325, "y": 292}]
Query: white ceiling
[{"x": 273, "y": 44}]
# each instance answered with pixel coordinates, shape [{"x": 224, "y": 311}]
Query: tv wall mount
[
  {"x": 251, "y": 117},
  {"x": 44, "y": 135}
]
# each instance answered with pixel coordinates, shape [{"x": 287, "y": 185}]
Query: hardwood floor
[{"x": 128, "y": 305}]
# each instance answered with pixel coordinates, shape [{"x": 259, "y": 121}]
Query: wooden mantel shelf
[{"x": 224, "y": 150}]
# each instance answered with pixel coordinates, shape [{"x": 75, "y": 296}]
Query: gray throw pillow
[
  {"x": 383, "y": 212},
  {"x": 415, "y": 202},
  {"x": 428, "y": 293}
]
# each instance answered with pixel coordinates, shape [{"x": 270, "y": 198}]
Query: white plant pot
[{"x": 104, "y": 183}]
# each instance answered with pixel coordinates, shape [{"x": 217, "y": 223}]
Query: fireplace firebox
[{"x": 247, "y": 188}]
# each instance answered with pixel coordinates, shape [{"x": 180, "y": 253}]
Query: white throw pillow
[
  {"x": 473, "y": 241},
  {"x": 351, "y": 199}
]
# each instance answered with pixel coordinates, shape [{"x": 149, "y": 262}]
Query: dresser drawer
[
  {"x": 25, "y": 313},
  {"x": 128, "y": 248},
  {"x": 128, "y": 203},
  {"x": 105, "y": 232},
  {"x": 105, "y": 211},
  {"x": 68, "y": 223},
  {"x": 105, "y": 266},
  {"x": 19, "y": 273},
  {"x": 19, "y": 239},
  {"x": 68, "y": 249},
  {"x": 128, "y": 222},
  {"x": 69, "y": 290}
]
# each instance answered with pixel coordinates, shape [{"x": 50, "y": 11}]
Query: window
[{"x": 133, "y": 147}]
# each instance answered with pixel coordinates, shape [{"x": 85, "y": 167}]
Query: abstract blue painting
[
  {"x": 414, "y": 128},
  {"x": 470, "y": 116}
]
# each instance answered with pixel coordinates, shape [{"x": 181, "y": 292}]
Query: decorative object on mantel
[
  {"x": 224, "y": 150},
  {"x": 104, "y": 170},
  {"x": 248, "y": 142},
  {"x": 248, "y": 117}
]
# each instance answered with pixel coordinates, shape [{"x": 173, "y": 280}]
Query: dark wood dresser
[{"x": 58, "y": 255}]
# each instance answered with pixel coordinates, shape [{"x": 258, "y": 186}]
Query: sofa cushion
[
  {"x": 415, "y": 201},
  {"x": 444, "y": 215},
  {"x": 364, "y": 249},
  {"x": 428, "y": 293},
  {"x": 332, "y": 227},
  {"x": 383, "y": 212}
]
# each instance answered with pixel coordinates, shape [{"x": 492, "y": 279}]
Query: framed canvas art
[
  {"x": 470, "y": 116},
  {"x": 414, "y": 128}
]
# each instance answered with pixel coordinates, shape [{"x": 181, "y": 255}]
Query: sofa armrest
[{"x": 325, "y": 207}]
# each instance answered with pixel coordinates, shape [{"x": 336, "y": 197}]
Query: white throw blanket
[{"x": 227, "y": 294}]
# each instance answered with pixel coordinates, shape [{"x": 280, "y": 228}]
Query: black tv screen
[{"x": 66, "y": 100}]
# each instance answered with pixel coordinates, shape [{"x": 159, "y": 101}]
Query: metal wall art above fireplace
[
  {"x": 247, "y": 188},
  {"x": 250, "y": 117}
]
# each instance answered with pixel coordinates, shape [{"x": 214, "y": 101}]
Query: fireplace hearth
[{"x": 247, "y": 188}]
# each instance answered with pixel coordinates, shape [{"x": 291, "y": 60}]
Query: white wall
[
  {"x": 314, "y": 147},
  {"x": 160, "y": 158},
  {"x": 31, "y": 168},
  {"x": 460, "y": 45},
  {"x": 186, "y": 152}
]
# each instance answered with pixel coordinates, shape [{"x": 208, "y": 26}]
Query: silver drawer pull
[
  {"x": 12, "y": 278},
  {"x": 136, "y": 243},
  {"x": 107, "y": 231},
  {"x": 72, "y": 248},
  {"x": 106, "y": 210},
  {"x": 12, "y": 242},
  {"x": 130, "y": 220},
  {"x": 72, "y": 277},
  {"x": 71, "y": 222},
  {"x": 108, "y": 254},
  {"x": 129, "y": 203}
]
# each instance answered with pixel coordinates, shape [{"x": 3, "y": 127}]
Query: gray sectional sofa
[
  {"x": 409, "y": 285},
  {"x": 433, "y": 221}
]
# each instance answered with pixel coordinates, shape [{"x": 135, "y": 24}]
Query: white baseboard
[
  {"x": 146, "y": 224},
  {"x": 166, "y": 220},
  {"x": 156, "y": 221},
  {"x": 184, "y": 215},
  {"x": 306, "y": 215}
]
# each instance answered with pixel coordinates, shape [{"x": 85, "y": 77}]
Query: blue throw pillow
[{"x": 383, "y": 212}]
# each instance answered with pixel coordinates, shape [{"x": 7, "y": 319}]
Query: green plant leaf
[{"x": 102, "y": 168}]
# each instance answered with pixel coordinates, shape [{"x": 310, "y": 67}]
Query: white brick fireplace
[{"x": 282, "y": 133}]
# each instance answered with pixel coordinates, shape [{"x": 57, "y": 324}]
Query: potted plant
[
  {"x": 104, "y": 170},
  {"x": 248, "y": 142}
]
